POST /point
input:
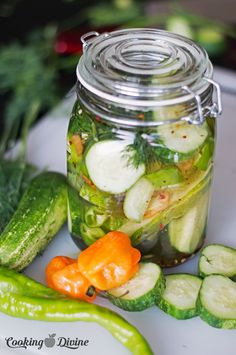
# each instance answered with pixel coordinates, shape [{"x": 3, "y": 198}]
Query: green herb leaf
[
  {"x": 27, "y": 75},
  {"x": 81, "y": 123},
  {"x": 143, "y": 152}
]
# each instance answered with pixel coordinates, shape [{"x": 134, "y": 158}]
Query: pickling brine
[{"x": 143, "y": 170}]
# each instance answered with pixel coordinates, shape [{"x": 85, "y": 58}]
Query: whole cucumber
[{"x": 40, "y": 214}]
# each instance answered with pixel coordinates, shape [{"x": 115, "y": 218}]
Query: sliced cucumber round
[
  {"x": 180, "y": 295},
  {"x": 108, "y": 166},
  {"x": 137, "y": 199},
  {"x": 182, "y": 200},
  {"x": 217, "y": 302},
  {"x": 140, "y": 292},
  {"x": 186, "y": 232},
  {"x": 217, "y": 259},
  {"x": 180, "y": 140}
]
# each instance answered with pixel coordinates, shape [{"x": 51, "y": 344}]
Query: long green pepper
[{"x": 23, "y": 297}]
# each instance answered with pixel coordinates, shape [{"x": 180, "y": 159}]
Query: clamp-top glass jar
[{"x": 141, "y": 141}]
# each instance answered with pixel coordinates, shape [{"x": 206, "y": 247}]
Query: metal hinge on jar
[
  {"x": 214, "y": 110},
  {"x": 87, "y": 37}
]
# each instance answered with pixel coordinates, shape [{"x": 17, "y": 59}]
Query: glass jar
[{"x": 141, "y": 142}]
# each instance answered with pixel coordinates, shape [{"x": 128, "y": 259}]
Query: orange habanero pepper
[
  {"x": 62, "y": 274},
  {"x": 110, "y": 261}
]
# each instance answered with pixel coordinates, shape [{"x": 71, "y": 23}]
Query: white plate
[{"x": 166, "y": 335}]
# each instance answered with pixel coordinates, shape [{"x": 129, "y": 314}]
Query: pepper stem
[{"x": 90, "y": 291}]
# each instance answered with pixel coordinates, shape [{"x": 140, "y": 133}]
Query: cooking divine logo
[{"x": 48, "y": 342}]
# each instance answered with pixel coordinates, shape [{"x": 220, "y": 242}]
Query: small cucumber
[
  {"x": 217, "y": 259},
  {"x": 140, "y": 292},
  {"x": 180, "y": 296},
  {"x": 40, "y": 214},
  {"x": 137, "y": 199},
  {"x": 217, "y": 302},
  {"x": 186, "y": 232},
  {"x": 108, "y": 166}
]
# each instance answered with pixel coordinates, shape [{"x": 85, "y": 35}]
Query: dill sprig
[{"x": 142, "y": 152}]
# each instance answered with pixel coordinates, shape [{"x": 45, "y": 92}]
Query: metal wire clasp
[
  {"x": 85, "y": 38},
  {"x": 197, "y": 98},
  {"x": 214, "y": 110}
]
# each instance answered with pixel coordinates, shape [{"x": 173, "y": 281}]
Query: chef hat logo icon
[{"x": 50, "y": 341}]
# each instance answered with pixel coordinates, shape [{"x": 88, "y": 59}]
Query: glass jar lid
[{"x": 147, "y": 69}]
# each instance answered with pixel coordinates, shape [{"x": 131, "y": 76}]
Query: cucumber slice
[
  {"x": 137, "y": 199},
  {"x": 180, "y": 295},
  {"x": 140, "y": 292},
  {"x": 109, "y": 167},
  {"x": 186, "y": 232},
  {"x": 182, "y": 199},
  {"x": 217, "y": 259},
  {"x": 182, "y": 137},
  {"x": 217, "y": 302}
]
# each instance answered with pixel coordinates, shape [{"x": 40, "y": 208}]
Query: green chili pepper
[
  {"x": 205, "y": 155},
  {"x": 23, "y": 297},
  {"x": 94, "y": 216},
  {"x": 90, "y": 235}
]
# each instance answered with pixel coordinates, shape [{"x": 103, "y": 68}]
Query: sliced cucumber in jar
[
  {"x": 140, "y": 292},
  {"x": 180, "y": 140},
  {"x": 180, "y": 295},
  {"x": 217, "y": 302},
  {"x": 108, "y": 166},
  {"x": 165, "y": 210},
  {"x": 217, "y": 259},
  {"x": 137, "y": 199},
  {"x": 186, "y": 232}
]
